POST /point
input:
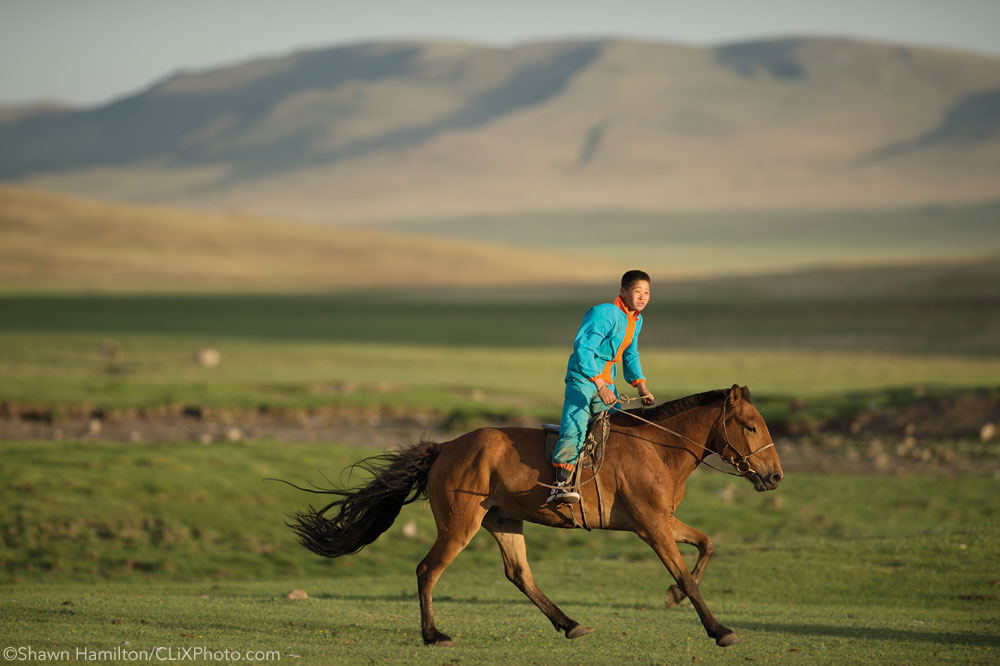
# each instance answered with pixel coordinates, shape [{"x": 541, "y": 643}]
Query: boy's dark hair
[{"x": 631, "y": 277}]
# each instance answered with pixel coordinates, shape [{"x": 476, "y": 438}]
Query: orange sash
[{"x": 630, "y": 318}]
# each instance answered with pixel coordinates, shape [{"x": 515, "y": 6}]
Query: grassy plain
[
  {"x": 816, "y": 335},
  {"x": 179, "y": 544},
  {"x": 888, "y": 613},
  {"x": 85, "y": 510},
  {"x": 51, "y": 370},
  {"x": 182, "y": 545}
]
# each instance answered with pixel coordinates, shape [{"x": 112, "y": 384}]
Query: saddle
[
  {"x": 591, "y": 455},
  {"x": 593, "y": 445}
]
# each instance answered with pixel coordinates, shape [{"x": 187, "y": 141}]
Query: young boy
[{"x": 609, "y": 333}]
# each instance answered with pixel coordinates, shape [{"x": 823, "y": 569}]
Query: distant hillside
[
  {"x": 17, "y": 112},
  {"x": 60, "y": 242},
  {"x": 417, "y": 130}
]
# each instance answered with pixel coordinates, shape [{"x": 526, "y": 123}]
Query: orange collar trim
[{"x": 624, "y": 308}]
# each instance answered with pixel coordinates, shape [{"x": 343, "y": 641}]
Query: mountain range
[{"x": 417, "y": 131}]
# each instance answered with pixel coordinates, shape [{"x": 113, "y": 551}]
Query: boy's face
[{"x": 636, "y": 297}]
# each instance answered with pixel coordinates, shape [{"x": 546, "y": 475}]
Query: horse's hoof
[
  {"x": 674, "y": 596},
  {"x": 727, "y": 640},
  {"x": 576, "y": 631},
  {"x": 439, "y": 640}
]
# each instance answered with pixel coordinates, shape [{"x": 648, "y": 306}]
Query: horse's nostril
[{"x": 775, "y": 478}]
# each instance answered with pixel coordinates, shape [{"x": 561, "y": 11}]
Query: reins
[{"x": 742, "y": 465}]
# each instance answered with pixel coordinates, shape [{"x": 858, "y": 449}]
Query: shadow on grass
[
  {"x": 515, "y": 598},
  {"x": 873, "y": 633}
]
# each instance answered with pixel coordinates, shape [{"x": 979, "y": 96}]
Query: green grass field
[
  {"x": 938, "y": 309},
  {"x": 180, "y": 545},
  {"x": 69, "y": 369},
  {"x": 126, "y": 511},
  {"x": 784, "y": 612},
  {"x": 183, "y": 546},
  {"x": 501, "y": 351}
]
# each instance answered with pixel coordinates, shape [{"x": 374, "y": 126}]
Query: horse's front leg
[
  {"x": 662, "y": 542},
  {"x": 684, "y": 533}
]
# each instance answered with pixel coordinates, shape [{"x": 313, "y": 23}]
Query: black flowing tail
[{"x": 364, "y": 513}]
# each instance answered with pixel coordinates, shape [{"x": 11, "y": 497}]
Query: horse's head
[{"x": 741, "y": 438}]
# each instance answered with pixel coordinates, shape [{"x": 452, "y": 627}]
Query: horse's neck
[{"x": 684, "y": 455}]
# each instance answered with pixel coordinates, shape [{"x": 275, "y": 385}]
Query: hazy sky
[{"x": 89, "y": 51}]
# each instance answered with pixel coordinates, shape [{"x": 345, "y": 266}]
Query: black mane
[{"x": 666, "y": 410}]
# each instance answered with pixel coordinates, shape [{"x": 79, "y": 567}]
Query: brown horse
[{"x": 490, "y": 478}]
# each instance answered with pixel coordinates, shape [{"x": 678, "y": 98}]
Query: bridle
[
  {"x": 740, "y": 461},
  {"x": 742, "y": 465}
]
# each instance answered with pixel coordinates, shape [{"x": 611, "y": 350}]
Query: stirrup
[{"x": 563, "y": 495}]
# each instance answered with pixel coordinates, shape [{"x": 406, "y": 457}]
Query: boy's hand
[
  {"x": 644, "y": 394},
  {"x": 607, "y": 395}
]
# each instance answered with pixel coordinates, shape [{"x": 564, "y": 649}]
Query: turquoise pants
[{"x": 581, "y": 402}]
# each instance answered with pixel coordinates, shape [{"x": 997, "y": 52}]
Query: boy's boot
[{"x": 563, "y": 493}]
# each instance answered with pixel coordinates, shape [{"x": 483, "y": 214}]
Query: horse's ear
[
  {"x": 746, "y": 394},
  {"x": 734, "y": 394}
]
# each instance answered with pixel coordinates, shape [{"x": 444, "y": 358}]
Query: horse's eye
[{"x": 751, "y": 428}]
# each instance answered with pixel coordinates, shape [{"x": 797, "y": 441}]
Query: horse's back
[
  {"x": 502, "y": 451},
  {"x": 492, "y": 464}
]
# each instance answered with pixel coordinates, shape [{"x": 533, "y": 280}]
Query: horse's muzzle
[{"x": 766, "y": 480}]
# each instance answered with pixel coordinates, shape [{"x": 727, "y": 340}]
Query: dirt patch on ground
[
  {"x": 966, "y": 416},
  {"x": 938, "y": 434},
  {"x": 953, "y": 434},
  {"x": 385, "y": 427}
]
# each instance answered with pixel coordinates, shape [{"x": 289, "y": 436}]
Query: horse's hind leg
[
  {"x": 455, "y": 530},
  {"x": 686, "y": 534},
  {"x": 510, "y": 537}
]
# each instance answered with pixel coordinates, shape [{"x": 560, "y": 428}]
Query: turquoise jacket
[{"x": 609, "y": 333}]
